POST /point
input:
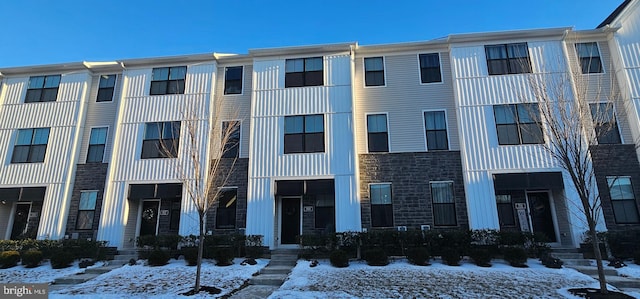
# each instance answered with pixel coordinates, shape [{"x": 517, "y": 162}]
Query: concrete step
[
  {"x": 591, "y": 270},
  {"x": 567, "y": 255},
  {"x": 282, "y": 263},
  {"x": 565, "y": 250},
  {"x": 102, "y": 270},
  {"x": 128, "y": 251},
  {"x": 75, "y": 279},
  {"x": 268, "y": 279},
  {"x": 576, "y": 262},
  {"x": 621, "y": 282},
  {"x": 286, "y": 251},
  {"x": 276, "y": 270},
  {"x": 284, "y": 256},
  {"x": 255, "y": 292}
]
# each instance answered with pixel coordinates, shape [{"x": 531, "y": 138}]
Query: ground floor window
[
  {"x": 226, "y": 212},
  {"x": 325, "y": 211},
  {"x": 623, "y": 199},
  {"x": 444, "y": 207},
  {"x": 381, "y": 205},
  {"x": 86, "y": 209},
  {"x": 505, "y": 210}
]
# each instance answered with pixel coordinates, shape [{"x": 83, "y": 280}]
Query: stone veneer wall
[
  {"x": 615, "y": 160},
  {"x": 90, "y": 176},
  {"x": 409, "y": 174},
  {"x": 239, "y": 178}
]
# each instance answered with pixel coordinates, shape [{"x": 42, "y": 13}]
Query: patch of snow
[
  {"x": 631, "y": 270},
  {"x": 40, "y": 274}
]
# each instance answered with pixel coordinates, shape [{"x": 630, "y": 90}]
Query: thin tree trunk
[
  {"x": 598, "y": 254},
  {"x": 200, "y": 250}
]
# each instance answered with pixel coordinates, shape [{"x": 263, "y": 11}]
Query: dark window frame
[
  {"x": 169, "y": 84},
  {"x": 381, "y": 211},
  {"x": 436, "y": 133},
  {"x": 324, "y": 215},
  {"x": 97, "y": 147},
  {"x": 374, "y": 77},
  {"x": 233, "y": 85},
  {"x": 510, "y": 60},
  {"x": 231, "y": 148},
  {"x": 626, "y": 206},
  {"x": 106, "y": 88},
  {"x": 302, "y": 72},
  {"x": 165, "y": 145},
  {"x": 591, "y": 60},
  {"x": 41, "y": 89},
  {"x": 428, "y": 70},
  {"x": 525, "y": 127},
  {"x": 227, "y": 208},
  {"x": 377, "y": 138},
  {"x": 90, "y": 211},
  {"x": 438, "y": 219},
  {"x": 605, "y": 124},
  {"x": 506, "y": 215},
  {"x": 36, "y": 151},
  {"x": 303, "y": 139}
]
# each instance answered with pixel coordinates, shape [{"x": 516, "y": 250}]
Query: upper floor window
[
  {"x": 508, "y": 59},
  {"x": 381, "y": 205},
  {"x": 377, "y": 133},
  {"x": 161, "y": 140},
  {"x": 30, "y": 146},
  {"x": 605, "y": 125},
  {"x": 304, "y": 134},
  {"x": 226, "y": 212},
  {"x": 518, "y": 124},
  {"x": 623, "y": 200},
  {"x": 106, "y": 87},
  {"x": 97, "y": 142},
  {"x": 42, "y": 89},
  {"x": 168, "y": 80},
  {"x": 304, "y": 72},
  {"x": 444, "y": 205},
  {"x": 430, "y": 68},
  {"x": 374, "y": 71},
  {"x": 589, "y": 56},
  {"x": 233, "y": 80},
  {"x": 435, "y": 123},
  {"x": 230, "y": 138},
  {"x": 86, "y": 209}
]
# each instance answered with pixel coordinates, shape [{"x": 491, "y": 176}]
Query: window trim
[
  {"x": 420, "y": 69},
  {"x": 94, "y": 210},
  {"x": 611, "y": 200},
  {"x": 15, "y": 141},
  {"x": 508, "y": 59},
  {"x": 44, "y": 82},
  {"x": 144, "y": 132},
  {"x": 239, "y": 121},
  {"x": 186, "y": 73},
  {"x": 384, "y": 72},
  {"x": 304, "y": 63},
  {"x": 511, "y": 205},
  {"x": 518, "y": 124},
  {"x": 105, "y": 143},
  {"x": 602, "y": 67},
  {"x": 424, "y": 129},
  {"x": 371, "y": 203},
  {"x": 615, "y": 118},
  {"x": 324, "y": 133},
  {"x": 220, "y": 191},
  {"x": 455, "y": 213},
  {"x": 224, "y": 85},
  {"x": 366, "y": 120},
  {"x": 115, "y": 84}
]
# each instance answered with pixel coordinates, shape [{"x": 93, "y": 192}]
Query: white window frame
[
  {"x": 366, "y": 130},
  {"x": 424, "y": 128},
  {"x": 384, "y": 72},
  {"x": 420, "y": 69},
  {"x": 239, "y": 138},
  {"x": 241, "y": 79}
]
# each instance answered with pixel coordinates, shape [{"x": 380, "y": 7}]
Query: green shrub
[
  {"x": 516, "y": 256},
  {"x": 418, "y": 256},
  {"x": 338, "y": 258},
  {"x": 31, "y": 258},
  {"x": 158, "y": 257},
  {"x": 81, "y": 248},
  {"x": 551, "y": 262},
  {"x": 9, "y": 259},
  {"x": 190, "y": 255},
  {"x": 61, "y": 258},
  {"x": 481, "y": 256},
  {"x": 376, "y": 257},
  {"x": 223, "y": 256},
  {"x": 254, "y": 252},
  {"x": 451, "y": 256}
]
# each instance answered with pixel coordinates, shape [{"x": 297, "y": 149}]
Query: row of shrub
[{"x": 60, "y": 253}]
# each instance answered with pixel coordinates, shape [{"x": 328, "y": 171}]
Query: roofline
[
  {"x": 407, "y": 46},
  {"x": 338, "y": 47},
  {"x": 506, "y": 35},
  {"x": 615, "y": 14}
]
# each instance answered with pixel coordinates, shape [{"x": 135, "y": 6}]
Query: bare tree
[
  {"x": 576, "y": 111},
  {"x": 204, "y": 159}
]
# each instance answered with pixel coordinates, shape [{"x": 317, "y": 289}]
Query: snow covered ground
[{"x": 398, "y": 279}]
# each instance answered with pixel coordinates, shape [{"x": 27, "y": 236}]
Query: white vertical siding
[{"x": 270, "y": 103}]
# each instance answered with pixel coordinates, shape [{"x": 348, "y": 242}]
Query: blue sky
[{"x": 39, "y": 32}]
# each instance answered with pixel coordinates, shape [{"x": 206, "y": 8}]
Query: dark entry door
[
  {"x": 149, "y": 223},
  {"x": 20, "y": 220},
  {"x": 290, "y": 229},
  {"x": 541, "y": 219}
]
